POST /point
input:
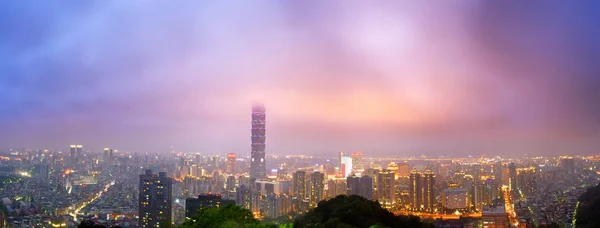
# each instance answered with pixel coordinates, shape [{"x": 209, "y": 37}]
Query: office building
[
  {"x": 386, "y": 188},
  {"x": 317, "y": 188},
  {"x": 415, "y": 190},
  {"x": 230, "y": 168},
  {"x": 353, "y": 185},
  {"x": 346, "y": 166},
  {"x": 258, "y": 168},
  {"x": 299, "y": 184},
  {"x": 429, "y": 191},
  {"x": 193, "y": 205},
  {"x": 155, "y": 193}
]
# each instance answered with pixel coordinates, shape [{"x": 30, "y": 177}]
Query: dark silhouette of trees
[
  {"x": 92, "y": 224},
  {"x": 354, "y": 212},
  {"x": 230, "y": 216},
  {"x": 587, "y": 214}
]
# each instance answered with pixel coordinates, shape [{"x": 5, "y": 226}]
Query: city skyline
[{"x": 396, "y": 78}]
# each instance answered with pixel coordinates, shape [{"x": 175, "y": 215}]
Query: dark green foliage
[
  {"x": 354, "y": 212},
  {"x": 587, "y": 214},
  {"x": 91, "y": 224},
  {"x": 230, "y": 216}
]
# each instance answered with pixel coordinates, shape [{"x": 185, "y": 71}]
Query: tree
[
  {"x": 588, "y": 209},
  {"x": 354, "y": 212},
  {"x": 230, "y": 216}
]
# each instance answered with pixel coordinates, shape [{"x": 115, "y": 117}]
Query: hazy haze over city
[{"x": 383, "y": 77}]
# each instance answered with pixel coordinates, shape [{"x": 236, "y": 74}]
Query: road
[
  {"x": 85, "y": 203},
  {"x": 510, "y": 210}
]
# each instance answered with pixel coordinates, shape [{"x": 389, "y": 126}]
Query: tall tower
[
  {"x": 258, "y": 168},
  {"x": 428, "y": 190}
]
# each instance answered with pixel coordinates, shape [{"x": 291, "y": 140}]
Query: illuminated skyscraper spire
[{"x": 258, "y": 168}]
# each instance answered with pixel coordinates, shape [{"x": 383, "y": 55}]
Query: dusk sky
[{"x": 381, "y": 77}]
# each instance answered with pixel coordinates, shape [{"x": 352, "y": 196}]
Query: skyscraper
[
  {"x": 106, "y": 152},
  {"x": 258, "y": 168},
  {"x": 72, "y": 152},
  {"x": 346, "y": 166},
  {"x": 366, "y": 187},
  {"x": 429, "y": 190},
  {"x": 357, "y": 160},
  {"x": 512, "y": 179},
  {"x": 317, "y": 188},
  {"x": 335, "y": 188},
  {"x": 79, "y": 151},
  {"x": 568, "y": 164},
  {"x": 299, "y": 184},
  {"x": 231, "y": 163},
  {"x": 155, "y": 200},
  {"x": 386, "y": 188},
  {"x": 415, "y": 190}
]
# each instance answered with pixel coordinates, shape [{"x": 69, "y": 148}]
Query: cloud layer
[{"x": 385, "y": 78}]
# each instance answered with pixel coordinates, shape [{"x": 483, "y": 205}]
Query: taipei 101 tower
[{"x": 258, "y": 168}]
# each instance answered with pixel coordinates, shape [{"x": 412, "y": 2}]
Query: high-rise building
[
  {"x": 455, "y": 199},
  {"x": 527, "y": 181},
  {"x": 230, "y": 185},
  {"x": 335, "y": 188},
  {"x": 193, "y": 205},
  {"x": 317, "y": 188},
  {"x": 403, "y": 169},
  {"x": 357, "y": 160},
  {"x": 353, "y": 185},
  {"x": 258, "y": 168},
  {"x": 478, "y": 194},
  {"x": 231, "y": 163},
  {"x": 299, "y": 184},
  {"x": 346, "y": 166},
  {"x": 415, "y": 190},
  {"x": 243, "y": 197},
  {"x": 79, "y": 151},
  {"x": 512, "y": 179},
  {"x": 429, "y": 191},
  {"x": 106, "y": 154},
  {"x": 73, "y": 152},
  {"x": 568, "y": 164},
  {"x": 155, "y": 200},
  {"x": 386, "y": 188},
  {"x": 366, "y": 187}
]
